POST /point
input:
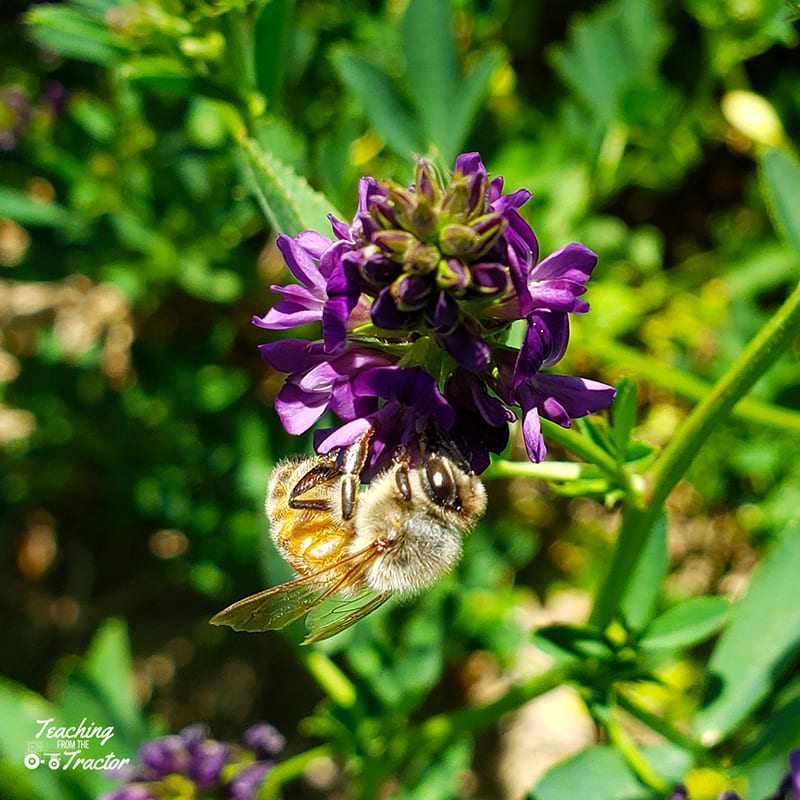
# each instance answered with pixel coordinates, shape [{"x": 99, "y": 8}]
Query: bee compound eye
[{"x": 440, "y": 483}]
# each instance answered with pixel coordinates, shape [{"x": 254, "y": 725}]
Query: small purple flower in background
[
  {"x": 202, "y": 766},
  {"x": 415, "y": 298}
]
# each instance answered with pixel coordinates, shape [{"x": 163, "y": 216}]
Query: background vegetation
[{"x": 152, "y": 149}]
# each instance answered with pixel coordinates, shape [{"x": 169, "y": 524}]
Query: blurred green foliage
[{"x": 153, "y": 148}]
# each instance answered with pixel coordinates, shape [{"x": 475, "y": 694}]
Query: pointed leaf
[
  {"x": 464, "y": 111},
  {"x": 601, "y": 773},
  {"x": 639, "y": 600},
  {"x": 25, "y": 210},
  {"x": 432, "y": 66},
  {"x": 288, "y": 202},
  {"x": 269, "y": 44},
  {"x": 75, "y": 34},
  {"x": 781, "y": 173},
  {"x": 686, "y": 624},
  {"x": 383, "y": 106},
  {"x": 624, "y": 415},
  {"x": 762, "y": 638}
]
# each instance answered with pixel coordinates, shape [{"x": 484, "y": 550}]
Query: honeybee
[{"x": 397, "y": 536}]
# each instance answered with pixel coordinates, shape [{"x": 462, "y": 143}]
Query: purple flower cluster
[
  {"x": 212, "y": 769},
  {"x": 416, "y": 297}
]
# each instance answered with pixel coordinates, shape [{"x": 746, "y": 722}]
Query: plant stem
[
  {"x": 547, "y": 470},
  {"x": 633, "y": 755},
  {"x": 638, "y": 520},
  {"x": 289, "y": 770},
  {"x": 436, "y": 731},
  {"x": 331, "y": 679},
  {"x": 685, "y": 385},
  {"x": 664, "y": 728},
  {"x": 589, "y": 451},
  {"x": 770, "y": 342}
]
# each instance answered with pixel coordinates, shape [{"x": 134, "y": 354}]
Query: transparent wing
[
  {"x": 272, "y": 609},
  {"x": 324, "y": 622},
  {"x": 275, "y": 608}
]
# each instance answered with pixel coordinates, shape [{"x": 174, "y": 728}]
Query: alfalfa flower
[
  {"x": 415, "y": 298},
  {"x": 192, "y": 764}
]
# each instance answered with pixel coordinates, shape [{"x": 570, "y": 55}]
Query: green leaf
[
  {"x": 383, "y": 106},
  {"x": 109, "y": 664},
  {"x": 615, "y": 45},
  {"x": 286, "y": 199},
  {"x": 757, "y": 645},
  {"x": 269, "y": 45},
  {"x": 602, "y": 773},
  {"x": 19, "y": 710},
  {"x": 781, "y": 175},
  {"x": 74, "y": 34},
  {"x": 25, "y": 210},
  {"x": 162, "y": 73},
  {"x": 624, "y": 416},
  {"x": 686, "y": 624},
  {"x": 432, "y": 68},
  {"x": 467, "y": 104},
  {"x": 639, "y": 600}
]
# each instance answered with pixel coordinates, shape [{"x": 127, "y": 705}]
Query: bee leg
[
  {"x": 317, "y": 476},
  {"x": 401, "y": 478},
  {"x": 350, "y": 461},
  {"x": 345, "y": 467}
]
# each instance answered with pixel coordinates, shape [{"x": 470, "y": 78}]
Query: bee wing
[
  {"x": 323, "y": 623},
  {"x": 272, "y": 609},
  {"x": 275, "y": 608}
]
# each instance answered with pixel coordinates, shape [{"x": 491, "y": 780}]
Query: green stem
[
  {"x": 638, "y": 520},
  {"x": 664, "y": 728},
  {"x": 547, "y": 470},
  {"x": 331, "y": 679},
  {"x": 440, "y": 729},
  {"x": 290, "y": 769},
  {"x": 629, "y": 749},
  {"x": 590, "y": 452},
  {"x": 685, "y": 385}
]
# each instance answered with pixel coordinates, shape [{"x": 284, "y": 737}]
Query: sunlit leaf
[
  {"x": 686, "y": 624},
  {"x": 781, "y": 172},
  {"x": 287, "y": 200},
  {"x": 760, "y": 641}
]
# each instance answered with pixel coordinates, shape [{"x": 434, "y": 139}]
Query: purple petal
[
  {"x": 514, "y": 200},
  {"x": 313, "y": 243},
  {"x": 794, "y": 771},
  {"x": 574, "y": 262},
  {"x": 468, "y": 349},
  {"x": 469, "y": 164},
  {"x": 208, "y": 759},
  {"x": 385, "y": 313},
  {"x": 300, "y": 262},
  {"x": 341, "y": 230},
  {"x": 558, "y": 295},
  {"x": 444, "y": 314},
  {"x": 299, "y": 410},
  {"x": 578, "y": 396},
  {"x": 335, "y": 314},
  {"x": 164, "y": 756},
  {"x": 244, "y": 785},
  {"x": 532, "y": 428},
  {"x": 343, "y": 436},
  {"x": 490, "y": 278},
  {"x": 291, "y": 355},
  {"x": 495, "y": 190},
  {"x": 546, "y": 338}
]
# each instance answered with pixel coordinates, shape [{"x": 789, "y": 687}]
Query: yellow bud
[{"x": 754, "y": 117}]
